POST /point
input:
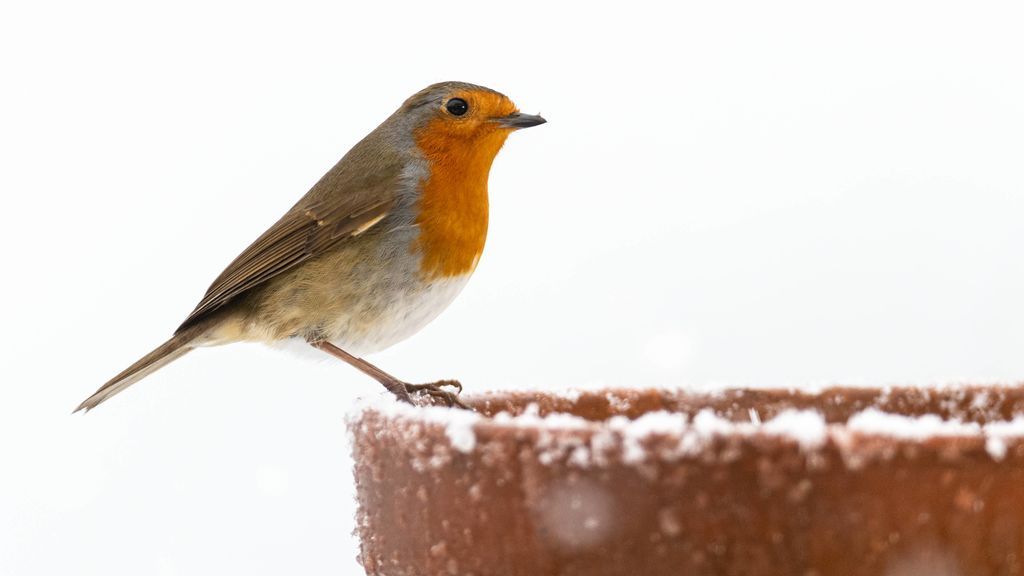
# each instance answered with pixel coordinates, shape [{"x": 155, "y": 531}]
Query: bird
[{"x": 373, "y": 252}]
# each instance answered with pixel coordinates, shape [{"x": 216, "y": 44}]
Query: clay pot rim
[{"x": 806, "y": 428}]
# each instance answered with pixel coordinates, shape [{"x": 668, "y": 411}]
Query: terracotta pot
[{"x": 652, "y": 482}]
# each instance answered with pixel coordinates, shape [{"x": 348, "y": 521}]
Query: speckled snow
[
  {"x": 874, "y": 421},
  {"x": 807, "y": 428}
]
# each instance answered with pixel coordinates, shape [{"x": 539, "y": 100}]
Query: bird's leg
[
  {"x": 394, "y": 385},
  {"x": 400, "y": 389}
]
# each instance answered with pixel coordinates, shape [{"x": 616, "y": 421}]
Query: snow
[
  {"x": 807, "y": 427},
  {"x": 668, "y": 435},
  {"x": 996, "y": 447},
  {"x": 1007, "y": 428},
  {"x": 996, "y": 434},
  {"x": 999, "y": 432},
  {"x": 874, "y": 421},
  {"x": 459, "y": 431},
  {"x": 531, "y": 418}
]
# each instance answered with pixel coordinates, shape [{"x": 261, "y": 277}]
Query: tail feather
[{"x": 179, "y": 345}]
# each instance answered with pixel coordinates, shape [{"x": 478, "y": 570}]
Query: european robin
[{"x": 372, "y": 253}]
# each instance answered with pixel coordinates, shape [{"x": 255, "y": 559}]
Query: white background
[{"x": 762, "y": 193}]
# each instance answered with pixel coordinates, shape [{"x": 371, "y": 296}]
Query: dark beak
[{"x": 518, "y": 120}]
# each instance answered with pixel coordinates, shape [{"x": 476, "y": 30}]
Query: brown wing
[{"x": 325, "y": 217}]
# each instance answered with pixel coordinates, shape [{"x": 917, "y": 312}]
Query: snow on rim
[{"x": 807, "y": 428}]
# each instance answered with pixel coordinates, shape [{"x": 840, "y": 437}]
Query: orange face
[
  {"x": 460, "y": 144},
  {"x": 471, "y": 115}
]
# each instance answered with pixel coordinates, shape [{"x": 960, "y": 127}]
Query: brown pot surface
[{"x": 894, "y": 482}]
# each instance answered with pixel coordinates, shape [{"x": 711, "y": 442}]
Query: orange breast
[{"x": 453, "y": 205}]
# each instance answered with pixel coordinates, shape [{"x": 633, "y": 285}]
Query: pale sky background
[{"x": 759, "y": 193}]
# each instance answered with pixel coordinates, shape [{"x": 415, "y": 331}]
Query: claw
[
  {"x": 434, "y": 391},
  {"x": 452, "y": 383}
]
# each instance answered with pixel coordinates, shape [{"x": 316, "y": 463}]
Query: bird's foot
[{"x": 435, "y": 390}]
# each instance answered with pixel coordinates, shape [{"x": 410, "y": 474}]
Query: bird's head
[{"x": 459, "y": 119}]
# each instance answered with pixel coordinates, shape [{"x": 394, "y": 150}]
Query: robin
[{"x": 372, "y": 253}]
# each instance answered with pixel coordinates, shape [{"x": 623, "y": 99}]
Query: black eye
[{"x": 456, "y": 107}]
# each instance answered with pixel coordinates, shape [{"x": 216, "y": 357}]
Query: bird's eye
[{"x": 456, "y": 107}]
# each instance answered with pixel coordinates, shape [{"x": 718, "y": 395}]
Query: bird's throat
[{"x": 453, "y": 204}]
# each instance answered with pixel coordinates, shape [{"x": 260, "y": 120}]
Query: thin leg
[
  {"x": 400, "y": 389},
  {"x": 394, "y": 385}
]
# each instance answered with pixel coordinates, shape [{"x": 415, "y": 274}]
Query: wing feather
[{"x": 320, "y": 221}]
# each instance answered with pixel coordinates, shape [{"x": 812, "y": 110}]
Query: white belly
[
  {"x": 409, "y": 311},
  {"x": 397, "y": 315}
]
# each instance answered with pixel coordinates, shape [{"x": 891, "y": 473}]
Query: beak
[{"x": 517, "y": 120}]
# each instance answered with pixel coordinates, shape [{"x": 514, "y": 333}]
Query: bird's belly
[
  {"x": 393, "y": 314},
  {"x": 363, "y": 298},
  {"x": 378, "y": 318}
]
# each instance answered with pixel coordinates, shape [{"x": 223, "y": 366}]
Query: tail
[{"x": 179, "y": 345}]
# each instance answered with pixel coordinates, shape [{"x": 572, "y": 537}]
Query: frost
[
  {"x": 807, "y": 427},
  {"x": 996, "y": 447},
  {"x": 755, "y": 418},
  {"x": 667, "y": 436},
  {"x": 874, "y": 421},
  {"x": 460, "y": 432},
  {"x": 707, "y": 424}
]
